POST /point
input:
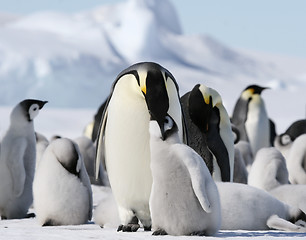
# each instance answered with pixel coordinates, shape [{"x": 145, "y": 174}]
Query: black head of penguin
[
  {"x": 154, "y": 88},
  {"x": 199, "y": 111},
  {"x": 31, "y": 107},
  {"x": 67, "y": 155},
  {"x": 255, "y": 89}
]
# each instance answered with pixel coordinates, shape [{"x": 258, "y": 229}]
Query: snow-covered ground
[{"x": 29, "y": 229}]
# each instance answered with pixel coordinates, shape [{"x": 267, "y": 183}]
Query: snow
[{"x": 71, "y": 60}]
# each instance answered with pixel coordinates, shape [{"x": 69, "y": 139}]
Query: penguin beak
[{"x": 41, "y": 104}]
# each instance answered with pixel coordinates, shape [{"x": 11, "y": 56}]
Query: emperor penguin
[
  {"x": 41, "y": 144},
  {"x": 61, "y": 187},
  {"x": 284, "y": 141},
  {"x": 184, "y": 198},
  {"x": 123, "y": 139},
  {"x": 269, "y": 173},
  {"x": 244, "y": 207},
  {"x": 17, "y": 160},
  {"x": 209, "y": 130},
  {"x": 251, "y": 118}
]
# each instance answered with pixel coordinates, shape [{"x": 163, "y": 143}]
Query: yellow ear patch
[
  {"x": 207, "y": 99},
  {"x": 144, "y": 89}
]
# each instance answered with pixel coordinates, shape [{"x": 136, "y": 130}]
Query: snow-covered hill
[{"x": 71, "y": 60}]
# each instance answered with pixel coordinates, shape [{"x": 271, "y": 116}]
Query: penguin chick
[
  {"x": 209, "y": 130},
  {"x": 61, "y": 187},
  {"x": 296, "y": 162},
  {"x": 41, "y": 145},
  {"x": 250, "y": 117},
  {"x": 244, "y": 207},
  {"x": 88, "y": 152},
  {"x": 240, "y": 171},
  {"x": 17, "y": 160},
  {"x": 244, "y": 148},
  {"x": 268, "y": 170},
  {"x": 184, "y": 199}
]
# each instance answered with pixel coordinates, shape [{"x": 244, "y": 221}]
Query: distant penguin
[
  {"x": 41, "y": 145},
  {"x": 88, "y": 152},
  {"x": 269, "y": 173},
  {"x": 240, "y": 171},
  {"x": 244, "y": 207},
  {"x": 284, "y": 141},
  {"x": 268, "y": 170},
  {"x": 296, "y": 162},
  {"x": 209, "y": 130},
  {"x": 123, "y": 138},
  {"x": 246, "y": 153},
  {"x": 250, "y": 117},
  {"x": 61, "y": 187},
  {"x": 17, "y": 160},
  {"x": 184, "y": 198},
  {"x": 296, "y": 129}
]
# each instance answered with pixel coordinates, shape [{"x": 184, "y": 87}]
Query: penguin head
[
  {"x": 200, "y": 108},
  {"x": 152, "y": 84},
  {"x": 251, "y": 90},
  {"x": 169, "y": 128},
  {"x": 31, "y": 108},
  {"x": 67, "y": 154}
]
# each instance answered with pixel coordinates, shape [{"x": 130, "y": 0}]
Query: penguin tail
[{"x": 277, "y": 223}]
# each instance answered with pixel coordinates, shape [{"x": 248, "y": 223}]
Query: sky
[{"x": 273, "y": 26}]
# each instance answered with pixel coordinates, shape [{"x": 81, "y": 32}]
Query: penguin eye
[
  {"x": 285, "y": 139},
  {"x": 168, "y": 123}
]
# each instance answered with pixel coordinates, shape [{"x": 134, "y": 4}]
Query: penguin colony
[{"x": 175, "y": 165}]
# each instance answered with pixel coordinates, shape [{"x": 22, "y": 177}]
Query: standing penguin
[
  {"x": 209, "y": 130},
  {"x": 124, "y": 136},
  {"x": 17, "y": 160},
  {"x": 61, "y": 187},
  {"x": 184, "y": 198},
  {"x": 250, "y": 117}
]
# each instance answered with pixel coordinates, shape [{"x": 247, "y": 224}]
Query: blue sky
[{"x": 273, "y": 26}]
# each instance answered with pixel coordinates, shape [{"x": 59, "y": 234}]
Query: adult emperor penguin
[
  {"x": 184, "y": 198},
  {"x": 61, "y": 187},
  {"x": 17, "y": 160},
  {"x": 250, "y": 117},
  {"x": 123, "y": 138},
  {"x": 209, "y": 130}
]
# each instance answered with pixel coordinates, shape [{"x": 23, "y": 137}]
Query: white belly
[{"x": 257, "y": 125}]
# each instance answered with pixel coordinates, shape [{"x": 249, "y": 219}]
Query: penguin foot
[
  {"x": 159, "y": 232},
  {"x": 199, "y": 233},
  {"x": 147, "y": 228},
  {"x": 50, "y": 222},
  {"x": 131, "y": 227},
  {"x": 30, "y": 215}
]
